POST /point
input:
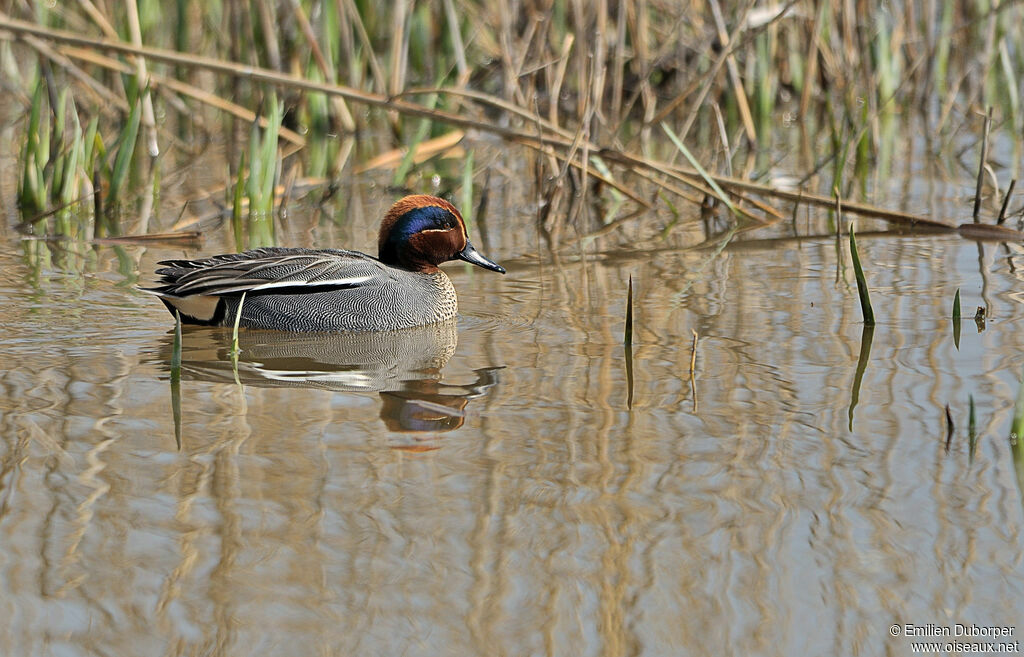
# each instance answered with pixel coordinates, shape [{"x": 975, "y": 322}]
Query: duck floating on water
[{"x": 293, "y": 289}]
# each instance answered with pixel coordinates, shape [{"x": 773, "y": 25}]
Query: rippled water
[{"x": 487, "y": 488}]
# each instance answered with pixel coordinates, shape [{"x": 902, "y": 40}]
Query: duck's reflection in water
[
  {"x": 404, "y": 367},
  {"x": 429, "y": 405}
]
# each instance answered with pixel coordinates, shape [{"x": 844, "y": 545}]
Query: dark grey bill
[{"x": 470, "y": 254}]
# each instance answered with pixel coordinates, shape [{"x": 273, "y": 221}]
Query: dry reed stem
[
  {"x": 734, "y": 73},
  {"x": 215, "y": 195},
  {"x": 352, "y": 14},
  {"x": 552, "y": 153},
  {"x": 981, "y": 165},
  {"x": 546, "y": 136},
  {"x": 556, "y": 85},
  {"x": 148, "y": 116},
  {"x": 178, "y": 87},
  {"x": 461, "y": 64},
  {"x": 97, "y": 17},
  {"x": 348, "y": 123},
  {"x": 105, "y": 95},
  {"x": 269, "y": 30},
  {"x": 1006, "y": 202},
  {"x": 424, "y": 151},
  {"x": 399, "y": 45},
  {"x": 619, "y": 63}
]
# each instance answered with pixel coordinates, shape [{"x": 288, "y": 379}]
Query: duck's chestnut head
[{"x": 420, "y": 232}]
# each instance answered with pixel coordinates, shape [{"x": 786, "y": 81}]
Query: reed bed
[{"x": 588, "y": 90}]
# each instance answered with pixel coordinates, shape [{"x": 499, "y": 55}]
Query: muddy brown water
[{"x": 486, "y": 487}]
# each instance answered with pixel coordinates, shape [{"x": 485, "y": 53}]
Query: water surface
[
  {"x": 499, "y": 486},
  {"x": 510, "y": 500}
]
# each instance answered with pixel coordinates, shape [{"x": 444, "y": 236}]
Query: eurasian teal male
[{"x": 292, "y": 289}]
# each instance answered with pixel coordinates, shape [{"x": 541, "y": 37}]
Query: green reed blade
[
  {"x": 71, "y": 174},
  {"x": 234, "y": 341},
  {"x": 629, "y": 375},
  {"x": 32, "y": 190},
  {"x": 60, "y": 118},
  {"x": 234, "y": 333},
  {"x": 125, "y": 151},
  {"x": 628, "y": 336},
  {"x": 94, "y": 148},
  {"x": 263, "y": 161},
  {"x": 255, "y": 169},
  {"x": 956, "y": 304},
  {"x": 268, "y": 156},
  {"x": 862, "y": 284},
  {"x": 696, "y": 165},
  {"x": 56, "y": 165}
]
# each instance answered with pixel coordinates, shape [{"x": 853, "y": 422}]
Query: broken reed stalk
[
  {"x": 981, "y": 165},
  {"x": 693, "y": 353},
  {"x": 1006, "y": 202},
  {"x": 862, "y": 284}
]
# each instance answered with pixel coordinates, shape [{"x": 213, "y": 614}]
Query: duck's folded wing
[{"x": 267, "y": 271}]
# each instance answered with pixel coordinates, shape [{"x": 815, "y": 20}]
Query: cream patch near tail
[{"x": 198, "y": 307}]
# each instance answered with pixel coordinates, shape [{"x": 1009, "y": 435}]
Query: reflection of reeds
[
  {"x": 956, "y": 319},
  {"x": 1017, "y": 440},
  {"x": 950, "y": 428},
  {"x": 628, "y": 342},
  {"x": 867, "y": 336},
  {"x": 176, "y": 379},
  {"x": 972, "y": 428}
]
